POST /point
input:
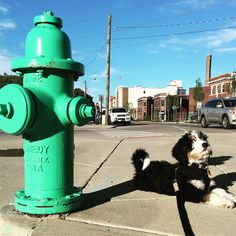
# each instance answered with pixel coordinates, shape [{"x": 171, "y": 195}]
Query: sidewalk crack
[{"x": 100, "y": 166}]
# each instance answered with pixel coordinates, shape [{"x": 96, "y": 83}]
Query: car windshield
[
  {"x": 230, "y": 103},
  {"x": 116, "y": 110}
]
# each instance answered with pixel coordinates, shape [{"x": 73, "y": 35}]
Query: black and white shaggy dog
[{"x": 191, "y": 172}]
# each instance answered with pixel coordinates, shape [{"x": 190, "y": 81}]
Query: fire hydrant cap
[
  {"x": 17, "y": 109},
  {"x": 48, "y": 17},
  {"x": 47, "y": 47}
]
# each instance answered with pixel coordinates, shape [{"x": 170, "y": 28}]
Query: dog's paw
[
  {"x": 229, "y": 204},
  {"x": 220, "y": 198}
]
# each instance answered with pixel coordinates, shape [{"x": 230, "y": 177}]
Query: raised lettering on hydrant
[{"x": 45, "y": 111}]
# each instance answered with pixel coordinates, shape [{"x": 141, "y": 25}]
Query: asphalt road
[{"x": 144, "y": 129}]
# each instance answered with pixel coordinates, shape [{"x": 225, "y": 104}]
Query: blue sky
[{"x": 153, "y": 41}]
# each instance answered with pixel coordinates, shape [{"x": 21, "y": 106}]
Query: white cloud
[
  {"x": 123, "y": 4},
  {"x": 229, "y": 49},
  {"x": 102, "y": 74},
  {"x": 222, "y": 37},
  {"x": 210, "y": 40},
  {"x": 7, "y": 24},
  {"x": 99, "y": 75},
  {"x": 3, "y": 8},
  {"x": 102, "y": 55},
  {"x": 5, "y": 63},
  {"x": 154, "y": 51},
  {"x": 196, "y": 4}
]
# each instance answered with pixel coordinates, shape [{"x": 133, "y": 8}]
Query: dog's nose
[{"x": 205, "y": 145}]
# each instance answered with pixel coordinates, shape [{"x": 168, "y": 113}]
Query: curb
[{"x": 12, "y": 223}]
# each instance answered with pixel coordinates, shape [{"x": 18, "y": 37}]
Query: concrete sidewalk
[{"x": 111, "y": 204}]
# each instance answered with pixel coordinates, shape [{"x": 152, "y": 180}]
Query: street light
[{"x": 85, "y": 86}]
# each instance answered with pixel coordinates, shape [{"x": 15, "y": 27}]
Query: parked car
[
  {"x": 120, "y": 116},
  {"x": 219, "y": 111}
]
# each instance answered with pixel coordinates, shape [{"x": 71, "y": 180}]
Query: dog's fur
[{"x": 191, "y": 172}]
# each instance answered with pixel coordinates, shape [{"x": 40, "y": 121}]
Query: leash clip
[
  {"x": 176, "y": 186},
  {"x": 175, "y": 183}
]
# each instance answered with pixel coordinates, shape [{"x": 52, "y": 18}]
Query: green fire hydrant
[{"x": 44, "y": 112}]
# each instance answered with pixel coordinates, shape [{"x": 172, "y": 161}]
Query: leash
[{"x": 181, "y": 207}]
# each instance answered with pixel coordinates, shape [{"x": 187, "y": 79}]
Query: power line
[
  {"x": 96, "y": 56},
  {"x": 117, "y": 29},
  {"x": 113, "y": 13},
  {"x": 174, "y": 34},
  {"x": 176, "y": 24}
]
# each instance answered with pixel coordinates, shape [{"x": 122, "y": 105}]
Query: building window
[
  {"x": 212, "y": 90},
  {"x": 217, "y": 89},
  {"x": 162, "y": 102},
  {"x": 144, "y": 103},
  {"x": 222, "y": 88}
]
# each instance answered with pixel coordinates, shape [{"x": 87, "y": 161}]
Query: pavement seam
[
  {"x": 128, "y": 228},
  {"x": 100, "y": 166}
]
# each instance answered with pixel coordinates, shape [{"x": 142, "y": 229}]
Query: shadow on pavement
[
  {"x": 105, "y": 195},
  {"x": 219, "y": 160},
  {"x": 225, "y": 180},
  {"x": 17, "y": 152}
]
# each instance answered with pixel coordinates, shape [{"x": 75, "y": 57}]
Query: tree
[
  {"x": 175, "y": 106},
  {"x": 198, "y": 94},
  {"x": 10, "y": 79},
  {"x": 80, "y": 92},
  {"x": 232, "y": 89},
  {"x": 168, "y": 105}
]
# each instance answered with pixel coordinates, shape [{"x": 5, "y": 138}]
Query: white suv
[{"x": 120, "y": 116}]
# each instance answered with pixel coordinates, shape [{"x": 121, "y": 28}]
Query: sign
[{"x": 199, "y": 105}]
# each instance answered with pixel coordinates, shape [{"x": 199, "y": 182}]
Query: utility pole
[
  {"x": 108, "y": 70},
  {"x": 85, "y": 88}
]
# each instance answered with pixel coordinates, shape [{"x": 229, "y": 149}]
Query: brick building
[
  {"x": 159, "y": 107},
  {"x": 218, "y": 86},
  {"x": 145, "y": 108},
  {"x": 155, "y": 108}
]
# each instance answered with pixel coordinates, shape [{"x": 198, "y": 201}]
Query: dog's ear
[
  {"x": 202, "y": 136},
  {"x": 182, "y": 148}
]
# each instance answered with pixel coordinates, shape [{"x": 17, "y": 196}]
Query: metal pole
[
  {"x": 108, "y": 70},
  {"x": 85, "y": 88}
]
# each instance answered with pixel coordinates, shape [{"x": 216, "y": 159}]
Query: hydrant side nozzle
[
  {"x": 16, "y": 109},
  {"x": 79, "y": 112}
]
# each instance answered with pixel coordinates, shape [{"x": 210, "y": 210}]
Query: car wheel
[
  {"x": 204, "y": 122},
  {"x": 226, "y": 123}
]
